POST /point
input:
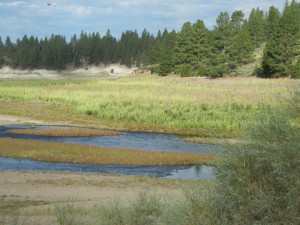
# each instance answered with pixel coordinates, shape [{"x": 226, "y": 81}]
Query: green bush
[{"x": 258, "y": 178}]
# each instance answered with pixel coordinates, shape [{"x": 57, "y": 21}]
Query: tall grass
[{"x": 219, "y": 106}]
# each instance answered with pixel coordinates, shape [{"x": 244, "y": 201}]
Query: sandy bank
[
  {"x": 113, "y": 70},
  {"x": 9, "y": 120},
  {"x": 86, "y": 189}
]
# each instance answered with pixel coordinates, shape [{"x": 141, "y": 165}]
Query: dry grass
[
  {"x": 75, "y": 153},
  {"x": 65, "y": 132}
]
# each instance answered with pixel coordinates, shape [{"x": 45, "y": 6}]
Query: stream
[{"x": 131, "y": 140}]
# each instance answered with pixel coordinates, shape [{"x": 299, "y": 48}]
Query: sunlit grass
[
  {"x": 75, "y": 153},
  {"x": 198, "y": 106}
]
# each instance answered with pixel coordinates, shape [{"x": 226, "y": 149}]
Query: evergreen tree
[
  {"x": 241, "y": 49},
  {"x": 283, "y": 44},
  {"x": 9, "y": 51},
  {"x": 256, "y": 27},
  {"x": 272, "y": 21},
  {"x": 1, "y": 53},
  {"x": 199, "y": 49},
  {"x": 166, "y": 62},
  {"x": 221, "y": 45},
  {"x": 182, "y": 54}
]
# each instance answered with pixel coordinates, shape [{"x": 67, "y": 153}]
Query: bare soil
[
  {"x": 8, "y": 120},
  {"x": 113, "y": 70},
  {"x": 38, "y": 191}
]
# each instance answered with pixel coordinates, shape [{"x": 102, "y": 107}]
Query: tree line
[{"x": 193, "y": 51}]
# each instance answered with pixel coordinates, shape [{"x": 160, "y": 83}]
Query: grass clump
[{"x": 76, "y": 153}]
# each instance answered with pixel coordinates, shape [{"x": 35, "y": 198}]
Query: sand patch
[
  {"x": 113, "y": 70},
  {"x": 9, "y": 120}
]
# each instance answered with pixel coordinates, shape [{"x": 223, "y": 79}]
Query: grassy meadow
[{"x": 190, "y": 106}]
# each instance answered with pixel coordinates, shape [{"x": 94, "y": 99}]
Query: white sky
[{"x": 66, "y": 17}]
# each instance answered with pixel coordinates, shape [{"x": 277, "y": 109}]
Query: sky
[{"x": 42, "y": 18}]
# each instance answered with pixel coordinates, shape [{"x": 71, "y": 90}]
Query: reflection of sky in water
[
  {"x": 131, "y": 140},
  {"x": 154, "y": 171},
  {"x": 194, "y": 172}
]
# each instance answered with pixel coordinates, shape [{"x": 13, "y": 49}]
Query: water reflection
[
  {"x": 170, "y": 172},
  {"x": 130, "y": 140},
  {"x": 193, "y": 172}
]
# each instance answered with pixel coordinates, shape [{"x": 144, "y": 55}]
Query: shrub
[{"x": 258, "y": 179}]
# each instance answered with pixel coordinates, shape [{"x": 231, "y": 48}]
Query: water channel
[{"x": 131, "y": 140}]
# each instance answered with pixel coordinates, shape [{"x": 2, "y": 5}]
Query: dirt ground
[
  {"x": 8, "y": 120},
  {"x": 38, "y": 191}
]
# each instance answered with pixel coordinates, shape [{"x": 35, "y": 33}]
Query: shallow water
[
  {"x": 131, "y": 140},
  {"x": 170, "y": 172}
]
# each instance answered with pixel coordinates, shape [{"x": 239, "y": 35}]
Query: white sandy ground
[
  {"x": 113, "y": 70},
  {"x": 8, "y": 120}
]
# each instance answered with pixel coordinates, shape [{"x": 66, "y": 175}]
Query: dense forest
[{"x": 193, "y": 51}]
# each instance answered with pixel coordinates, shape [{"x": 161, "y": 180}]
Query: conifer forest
[{"x": 193, "y": 51}]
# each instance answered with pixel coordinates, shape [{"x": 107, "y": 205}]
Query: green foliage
[
  {"x": 297, "y": 69},
  {"x": 256, "y": 27},
  {"x": 283, "y": 44},
  {"x": 258, "y": 179},
  {"x": 194, "y": 51},
  {"x": 68, "y": 214},
  {"x": 272, "y": 21}
]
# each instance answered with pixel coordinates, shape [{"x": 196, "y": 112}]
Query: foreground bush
[{"x": 258, "y": 180}]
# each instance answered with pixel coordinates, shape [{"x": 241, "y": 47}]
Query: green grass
[{"x": 197, "y": 106}]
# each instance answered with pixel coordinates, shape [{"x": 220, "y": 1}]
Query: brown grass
[
  {"x": 75, "y": 153},
  {"x": 65, "y": 132}
]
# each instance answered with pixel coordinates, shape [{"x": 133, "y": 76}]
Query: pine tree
[
  {"x": 199, "y": 49},
  {"x": 272, "y": 21},
  {"x": 1, "y": 53},
  {"x": 221, "y": 45},
  {"x": 166, "y": 62},
  {"x": 256, "y": 27},
  {"x": 9, "y": 51},
  {"x": 182, "y": 54},
  {"x": 241, "y": 47},
  {"x": 283, "y": 44}
]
